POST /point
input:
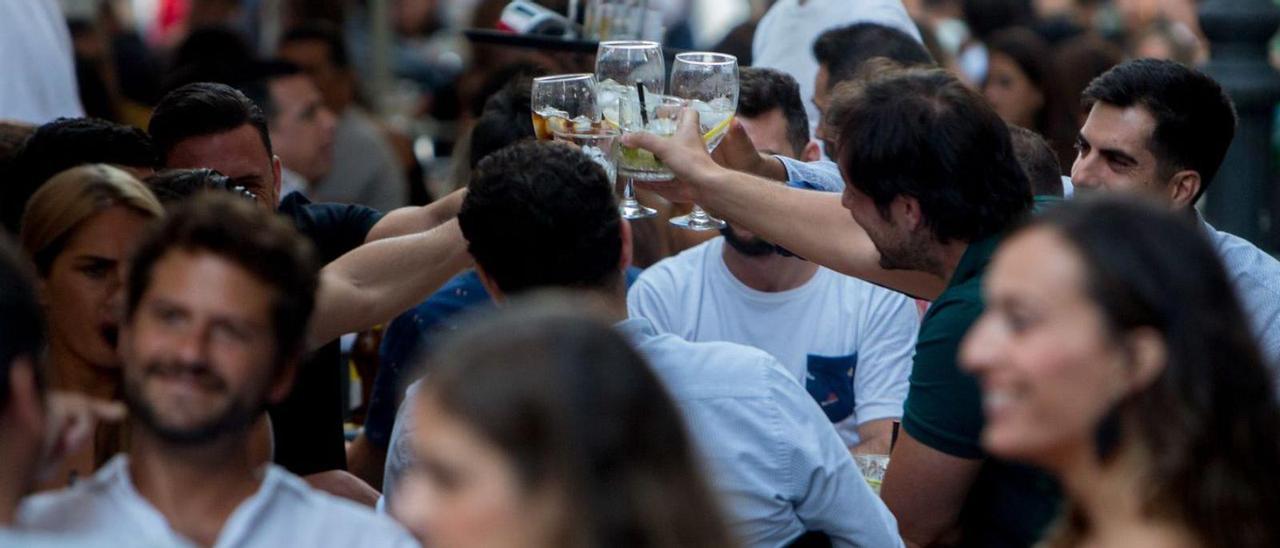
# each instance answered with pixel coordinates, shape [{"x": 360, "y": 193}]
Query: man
[
  {"x": 848, "y": 341},
  {"x": 365, "y": 170},
  {"x": 788, "y": 32},
  {"x": 922, "y": 216},
  {"x": 66, "y": 143},
  {"x": 215, "y": 126},
  {"x": 842, "y": 55},
  {"x": 300, "y": 125},
  {"x": 542, "y": 215},
  {"x": 1039, "y": 163},
  {"x": 1161, "y": 129},
  {"x": 215, "y": 320}
]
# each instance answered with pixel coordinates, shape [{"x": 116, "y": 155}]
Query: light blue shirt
[
  {"x": 1256, "y": 278},
  {"x": 823, "y": 175},
  {"x": 769, "y": 451}
]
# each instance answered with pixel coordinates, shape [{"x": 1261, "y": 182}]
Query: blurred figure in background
[
  {"x": 1097, "y": 364},
  {"x": 541, "y": 428},
  {"x": 1018, "y": 78},
  {"x": 365, "y": 170},
  {"x": 1076, "y": 62},
  {"x": 300, "y": 124},
  {"x": 1039, "y": 163},
  {"x": 37, "y": 61}
]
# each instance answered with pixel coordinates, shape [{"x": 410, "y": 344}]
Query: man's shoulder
[
  {"x": 713, "y": 368},
  {"x": 338, "y": 518},
  {"x": 1245, "y": 262}
]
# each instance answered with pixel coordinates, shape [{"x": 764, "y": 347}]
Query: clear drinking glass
[
  {"x": 709, "y": 81},
  {"x": 598, "y": 143},
  {"x": 623, "y": 69},
  {"x": 563, "y": 102},
  {"x": 659, "y": 115},
  {"x": 872, "y": 468}
]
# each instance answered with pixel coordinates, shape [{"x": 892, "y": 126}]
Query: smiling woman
[
  {"x": 1124, "y": 366},
  {"x": 79, "y": 229}
]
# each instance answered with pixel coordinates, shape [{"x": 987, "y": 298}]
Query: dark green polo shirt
[{"x": 1008, "y": 504}]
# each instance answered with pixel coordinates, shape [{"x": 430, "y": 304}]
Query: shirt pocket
[{"x": 829, "y": 380}]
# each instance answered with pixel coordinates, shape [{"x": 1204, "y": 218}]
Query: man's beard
[
  {"x": 911, "y": 253},
  {"x": 754, "y": 247},
  {"x": 238, "y": 413}
]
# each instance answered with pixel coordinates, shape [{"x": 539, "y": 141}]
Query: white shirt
[
  {"x": 283, "y": 512},
  {"x": 784, "y": 38},
  {"x": 771, "y": 456},
  {"x": 39, "y": 82},
  {"x": 819, "y": 331}
]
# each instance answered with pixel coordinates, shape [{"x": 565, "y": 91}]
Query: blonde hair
[{"x": 70, "y": 198}]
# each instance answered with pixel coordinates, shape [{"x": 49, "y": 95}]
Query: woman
[
  {"x": 1113, "y": 353},
  {"x": 78, "y": 230},
  {"x": 1017, "y": 69},
  {"x": 543, "y": 429}
]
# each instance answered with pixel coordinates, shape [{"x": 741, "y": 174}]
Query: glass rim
[
  {"x": 630, "y": 44},
  {"x": 564, "y": 77},
  {"x": 696, "y": 58}
]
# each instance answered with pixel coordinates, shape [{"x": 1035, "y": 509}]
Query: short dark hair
[
  {"x": 924, "y": 134},
  {"x": 762, "y": 90},
  {"x": 327, "y": 34},
  {"x": 66, "y": 143},
  {"x": 843, "y": 50},
  {"x": 543, "y": 215},
  {"x": 215, "y": 53},
  {"x": 1037, "y": 160},
  {"x": 257, "y": 240},
  {"x": 200, "y": 109},
  {"x": 1195, "y": 119},
  {"x": 21, "y": 320},
  {"x": 506, "y": 120},
  {"x": 175, "y": 185}
]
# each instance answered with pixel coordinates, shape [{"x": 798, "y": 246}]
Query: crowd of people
[{"x": 963, "y": 298}]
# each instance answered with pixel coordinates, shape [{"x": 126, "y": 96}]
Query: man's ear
[
  {"x": 282, "y": 384},
  {"x": 1183, "y": 188},
  {"x": 275, "y": 174},
  {"x": 906, "y": 211},
  {"x": 624, "y": 260},
  {"x": 812, "y": 152},
  {"x": 495, "y": 292}
]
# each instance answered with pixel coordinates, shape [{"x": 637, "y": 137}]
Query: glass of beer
[{"x": 561, "y": 101}]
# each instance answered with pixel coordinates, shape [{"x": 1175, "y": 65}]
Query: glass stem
[
  {"x": 698, "y": 214},
  {"x": 629, "y": 193}
]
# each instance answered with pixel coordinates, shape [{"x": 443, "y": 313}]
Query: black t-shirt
[{"x": 307, "y": 425}]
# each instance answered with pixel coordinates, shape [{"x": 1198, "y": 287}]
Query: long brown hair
[
  {"x": 580, "y": 413},
  {"x": 1209, "y": 422}
]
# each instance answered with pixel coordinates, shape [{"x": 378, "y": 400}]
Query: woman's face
[
  {"x": 1049, "y": 370},
  {"x": 463, "y": 491},
  {"x": 1015, "y": 98},
  {"x": 84, "y": 287}
]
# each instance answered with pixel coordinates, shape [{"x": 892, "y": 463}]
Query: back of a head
[
  {"x": 176, "y": 185},
  {"x": 210, "y": 54},
  {"x": 921, "y": 133},
  {"x": 583, "y": 419},
  {"x": 1038, "y": 161},
  {"x": 63, "y": 144},
  {"x": 1195, "y": 119},
  {"x": 1210, "y": 417},
  {"x": 325, "y": 33},
  {"x": 762, "y": 90},
  {"x": 72, "y": 197},
  {"x": 843, "y": 50},
  {"x": 200, "y": 109},
  {"x": 542, "y": 214},
  {"x": 256, "y": 240},
  {"x": 21, "y": 320},
  {"x": 505, "y": 120}
]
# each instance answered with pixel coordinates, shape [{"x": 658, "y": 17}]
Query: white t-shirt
[
  {"x": 39, "y": 82},
  {"x": 784, "y": 38},
  {"x": 847, "y": 341},
  {"x": 283, "y": 512}
]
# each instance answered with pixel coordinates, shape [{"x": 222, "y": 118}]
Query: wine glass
[
  {"x": 626, "y": 69},
  {"x": 563, "y": 102},
  {"x": 709, "y": 81}
]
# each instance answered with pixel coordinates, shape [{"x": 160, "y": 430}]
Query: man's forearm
[
  {"x": 376, "y": 281},
  {"x": 875, "y": 438},
  {"x": 410, "y": 220},
  {"x": 810, "y": 224}
]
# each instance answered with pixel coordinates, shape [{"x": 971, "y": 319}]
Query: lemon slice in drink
[{"x": 716, "y": 130}]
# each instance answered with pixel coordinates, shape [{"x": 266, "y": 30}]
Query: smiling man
[
  {"x": 1160, "y": 129},
  {"x": 216, "y": 313}
]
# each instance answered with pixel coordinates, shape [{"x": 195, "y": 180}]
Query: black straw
[{"x": 644, "y": 114}]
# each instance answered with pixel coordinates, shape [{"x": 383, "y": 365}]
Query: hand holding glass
[{"x": 621, "y": 66}]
